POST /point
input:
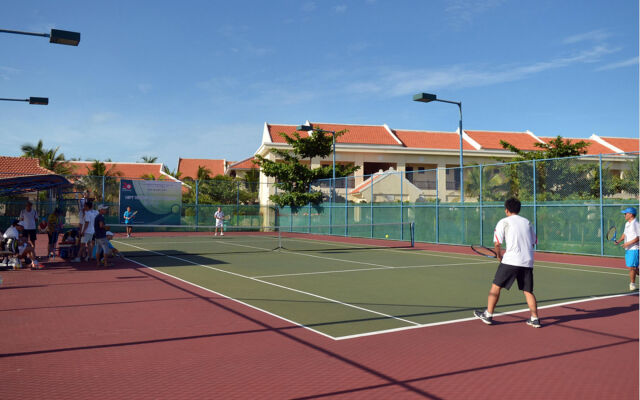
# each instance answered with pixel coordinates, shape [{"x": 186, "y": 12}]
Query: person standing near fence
[
  {"x": 515, "y": 264},
  {"x": 54, "y": 226},
  {"x": 128, "y": 216},
  {"x": 29, "y": 218},
  {"x": 629, "y": 240},
  {"x": 219, "y": 216}
]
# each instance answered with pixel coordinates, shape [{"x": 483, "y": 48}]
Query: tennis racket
[
  {"x": 484, "y": 251},
  {"x": 133, "y": 214},
  {"x": 611, "y": 234}
]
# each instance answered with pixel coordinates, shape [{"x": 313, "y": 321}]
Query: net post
[
  {"x": 437, "y": 210},
  {"x": 371, "y": 206},
  {"x": 197, "y": 206},
  {"x": 481, "y": 172}
]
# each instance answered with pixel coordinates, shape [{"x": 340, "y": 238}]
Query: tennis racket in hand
[
  {"x": 611, "y": 234},
  {"x": 484, "y": 251}
]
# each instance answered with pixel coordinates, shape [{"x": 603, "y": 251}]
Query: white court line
[
  {"x": 368, "y": 269},
  {"x": 279, "y": 286},
  {"x": 455, "y": 321},
  {"x": 236, "y": 300}
]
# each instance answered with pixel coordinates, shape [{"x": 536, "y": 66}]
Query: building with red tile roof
[
  {"x": 618, "y": 145},
  {"x": 124, "y": 169},
  {"x": 19, "y": 166},
  {"x": 378, "y": 147},
  {"x": 189, "y": 167},
  {"x": 240, "y": 168},
  {"x": 593, "y": 149}
]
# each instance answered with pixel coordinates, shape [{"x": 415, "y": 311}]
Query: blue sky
[{"x": 198, "y": 79}]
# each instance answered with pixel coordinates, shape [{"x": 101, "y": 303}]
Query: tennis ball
[{"x": 386, "y": 236}]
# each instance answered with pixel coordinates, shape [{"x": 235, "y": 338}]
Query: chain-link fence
[{"x": 570, "y": 201}]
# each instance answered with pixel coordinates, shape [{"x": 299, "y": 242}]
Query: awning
[{"x": 31, "y": 183}]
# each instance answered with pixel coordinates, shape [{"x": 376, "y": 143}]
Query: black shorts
[
  {"x": 30, "y": 234},
  {"x": 53, "y": 237},
  {"x": 506, "y": 274}
]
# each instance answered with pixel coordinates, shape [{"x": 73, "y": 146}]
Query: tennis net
[{"x": 188, "y": 239}]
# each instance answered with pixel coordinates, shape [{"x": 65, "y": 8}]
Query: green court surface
[{"x": 344, "y": 290}]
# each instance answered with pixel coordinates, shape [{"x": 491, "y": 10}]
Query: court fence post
[
  {"x": 601, "y": 206},
  {"x": 346, "y": 207},
  {"x": 535, "y": 204},
  {"x": 197, "y": 206},
  {"x": 401, "y": 173},
  {"x": 237, "y": 203},
  {"x": 437, "y": 201},
  {"x": 481, "y": 172},
  {"x": 371, "y": 206},
  {"x": 103, "y": 177},
  {"x": 309, "y": 216}
]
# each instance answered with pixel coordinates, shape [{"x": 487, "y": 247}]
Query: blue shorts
[{"x": 631, "y": 257}]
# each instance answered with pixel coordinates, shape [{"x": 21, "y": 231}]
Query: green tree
[
  {"x": 294, "y": 179},
  {"x": 175, "y": 173},
  {"x": 97, "y": 173},
  {"x": 556, "y": 177},
  {"x": 47, "y": 158},
  {"x": 148, "y": 159}
]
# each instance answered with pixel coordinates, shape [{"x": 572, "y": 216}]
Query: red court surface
[{"x": 74, "y": 332}]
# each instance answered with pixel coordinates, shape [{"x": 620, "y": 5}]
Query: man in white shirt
[
  {"x": 29, "y": 219},
  {"x": 86, "y": 233},
  {"x": 515, "y": 264},
  {"x": 219, "y": 215},
  {"x": 629, "y": 240}
]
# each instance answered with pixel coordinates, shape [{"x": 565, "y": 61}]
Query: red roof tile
[
  {"x": 244, "y": 164},
  {"x": 432, "y": 140},
  {"x": 125, "y": 170},
  {"x": 624, "y": 144},
  {"x": 594, "y": 147},
  {"x": 17, "y": 166},
  {"x": 189, "y": 167},
  {"x": 356, "y": 134},
  {"x": 490, "y": 140}
]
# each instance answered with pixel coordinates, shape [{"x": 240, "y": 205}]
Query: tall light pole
[
  {"x": 426, "y": 98},
  {"x": 43, "y": 101},
  {"x": 56, "y": 36}
]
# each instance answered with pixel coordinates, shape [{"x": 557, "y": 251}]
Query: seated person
[
  {"x": 10, "y": 237},
  {"x": 73, "y": 238},
  {"x": 25, "y": 251},
  {"x": 112, "y": 250}
]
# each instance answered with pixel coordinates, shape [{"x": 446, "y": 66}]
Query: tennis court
[{"x": 345, "y": 289}]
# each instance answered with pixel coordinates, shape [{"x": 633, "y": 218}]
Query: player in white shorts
[{"x": 219, "y": 215}]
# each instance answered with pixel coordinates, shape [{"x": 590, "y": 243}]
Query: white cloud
[
  {"x": 403, "y": 82},
  {"x": 103, "y": 117},
  {"x": 309, "y": 6},
  {"x": 465, "y": 11},
  {"x": 144, "y": 87},
  {"x": 620, "y": 64},
  {"x": 340, "y": 9},
  {"x": 598, "y": 35}
]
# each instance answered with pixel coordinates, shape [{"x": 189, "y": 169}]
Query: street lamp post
[
  {"x": 56, "y": 36},
  {"x": 43, "y": 101},
  {"x": 426, "y": 98}
]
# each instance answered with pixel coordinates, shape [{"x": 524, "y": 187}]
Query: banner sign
[{"x": 153, "y": 202}]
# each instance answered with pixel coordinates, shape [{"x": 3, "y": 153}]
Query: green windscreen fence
[{"x": 571, "y": 202}]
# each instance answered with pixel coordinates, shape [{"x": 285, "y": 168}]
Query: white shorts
[
  {"x": 219, "y": 223},
  {"x": 86, "y": 238}
]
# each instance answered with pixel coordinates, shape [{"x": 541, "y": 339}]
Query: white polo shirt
[
  {"x": 632, "y": 231},
  {"x": 519, "y": 236},
  {"x": 90, "y": 217},
  {"x": 29, "y": 218}
]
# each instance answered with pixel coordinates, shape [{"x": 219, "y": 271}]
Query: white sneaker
[
  {"x": 632, "y": 286},
  {"x": 221, "y": 234},
  {"x": 77, "y": 259},
  {"x": 215, "y": 234}
]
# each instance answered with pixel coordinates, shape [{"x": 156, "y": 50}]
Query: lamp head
[{"x": 424, "y": 97}]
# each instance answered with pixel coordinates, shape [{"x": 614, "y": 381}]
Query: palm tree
[
  {"x": 97, "y": 174},
  {"x": 148, "y": 177},
  {"x": 175, "y": 173},
  {"x": 47, "y": 158},
  {"x": 148, "y": 159},
  {"x": 204, "y": 173}
]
